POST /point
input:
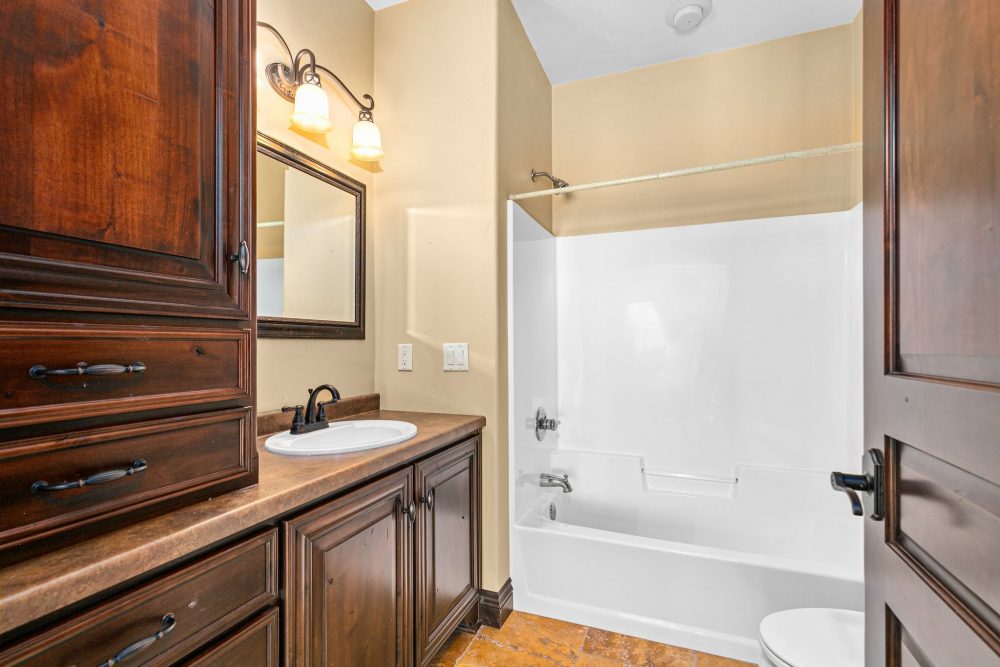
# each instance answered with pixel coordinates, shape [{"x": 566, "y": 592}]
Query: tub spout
[{"x": 547, "y": 480}]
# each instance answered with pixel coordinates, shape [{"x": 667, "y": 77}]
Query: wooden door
[
  {"x": 348, "y": 585},
  {"x": 128, "y": 135},
  {"x": 932, "y": 329},
  {"x": 447, "y": 550}
]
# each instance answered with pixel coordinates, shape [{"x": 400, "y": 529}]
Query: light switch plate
[
  {"x": 404, "y": 359},
  {"x": 456, "y": 356}
]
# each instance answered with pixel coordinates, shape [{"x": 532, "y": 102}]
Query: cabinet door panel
[
  {"x": 447, "y": 561},
  {"x": 349, "y": 579},
  {"x": 133, "y": 139}
]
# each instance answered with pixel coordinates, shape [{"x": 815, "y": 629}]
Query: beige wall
[
  {"x": 436, "y": 224},
  {"x": 788, "y": 94},
  {"x": 447, "y": 71},
  {"x": 524, "y": 117},
  {"x": 341, "y": 34}
]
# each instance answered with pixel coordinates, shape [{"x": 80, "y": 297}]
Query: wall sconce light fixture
[{"x": 299, "y": 82}]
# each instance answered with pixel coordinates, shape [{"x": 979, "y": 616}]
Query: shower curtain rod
[{"x": 704, "y": 169}]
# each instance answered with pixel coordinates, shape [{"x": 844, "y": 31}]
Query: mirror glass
[{"x": 309, "y": 242}]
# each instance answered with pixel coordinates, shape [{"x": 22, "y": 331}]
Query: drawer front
[
  {"x": 188, "y": 608},
  {"x": 146, "y": 463},
  {"x": 150, "y": 368},
  {"x": 253, "y": 645}
]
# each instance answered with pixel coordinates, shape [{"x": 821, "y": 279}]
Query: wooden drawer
[
  {"x": 205, "y": 599},
  {"x": 182, "y": 455},
  {"x": 254, "y": 645},
  {"x": 180, "y": 367}
]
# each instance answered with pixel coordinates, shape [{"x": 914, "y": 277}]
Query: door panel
[
  {"x": 932, "y": 329},
  {"x": 131, "y": 130},
  {"x": 447, "y": 561},
  {"x": 349, "y": 579},
  {"x": 948, "y": 215}
]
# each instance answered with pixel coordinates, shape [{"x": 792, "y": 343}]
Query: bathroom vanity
[{"x": 326, "y": 560}]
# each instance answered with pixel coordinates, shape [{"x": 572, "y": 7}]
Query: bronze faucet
[{"x": 314, "y": 418}]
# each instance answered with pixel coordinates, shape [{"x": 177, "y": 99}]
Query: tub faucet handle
[{"x": 543, "y": 423}]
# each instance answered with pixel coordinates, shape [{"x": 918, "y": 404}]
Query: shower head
[{"x": 556, "y": 182}]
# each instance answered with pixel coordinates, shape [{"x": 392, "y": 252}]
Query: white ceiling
[
  {"x": 580, "y": 39},
  {"x": 382, "y": 4}
]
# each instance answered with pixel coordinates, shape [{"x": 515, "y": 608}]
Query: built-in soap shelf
[{"x": 661, "y": 481}]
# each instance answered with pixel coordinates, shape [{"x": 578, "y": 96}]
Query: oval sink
[{"x": 342, "y": 437}]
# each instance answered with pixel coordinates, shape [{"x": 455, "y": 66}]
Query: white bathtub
[{"x": 696, "y": 565}]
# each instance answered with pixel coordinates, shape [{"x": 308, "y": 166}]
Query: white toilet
[{"x": 813, "y": 638}]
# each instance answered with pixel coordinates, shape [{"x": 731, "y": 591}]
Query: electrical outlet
[
  {"x": 456, "y": 356},
  {"x": 404, "y": 359}
]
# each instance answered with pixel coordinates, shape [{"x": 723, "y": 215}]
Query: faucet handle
[
  {"x": 297, "y": 420},
  {"x": 321, "y": 409}
]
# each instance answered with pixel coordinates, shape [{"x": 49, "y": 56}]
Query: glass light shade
[
  {"x": 312, "y": 109},
  {"x": 367, "y": 142}
]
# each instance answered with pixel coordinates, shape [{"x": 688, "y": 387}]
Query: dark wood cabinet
[
  {"x": 179, "y": 612},
  {"x": 131, "y": 130},
  {"x": 349, "y": 578},
  {"x": 385, "y": 574},
  {"x": 376, "y": 575},
  {"x": 126, "y": 278},
  {"x": 40, "y": 478},
  {"x": 447, "y": 544}
]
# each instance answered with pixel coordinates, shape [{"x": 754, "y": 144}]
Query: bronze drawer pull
[
  {"x": 241, "y": 258},
  {"x": 409, "y": 510},
  {"x": 428, "y": 500},
  {"x": 168, "y": 623},
  {"x": 97, "y": 478},
  {"x": 83, "y": 368}
]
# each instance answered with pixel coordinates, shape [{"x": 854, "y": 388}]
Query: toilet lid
[{"x": 815, "y": 637}]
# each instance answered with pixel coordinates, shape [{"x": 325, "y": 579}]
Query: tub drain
[{"x": 552, "y": 511}]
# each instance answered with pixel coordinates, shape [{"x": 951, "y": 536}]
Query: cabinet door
[
  {"x": 349, "y": 579},
  {"x": 447, "y": 550},
  {"x": 129, "y": 133}
]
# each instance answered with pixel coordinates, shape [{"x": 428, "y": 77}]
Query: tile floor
[{"x": 526, "y": 640}]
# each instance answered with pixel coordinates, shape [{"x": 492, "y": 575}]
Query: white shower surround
[{"x": 708, "y": 378}]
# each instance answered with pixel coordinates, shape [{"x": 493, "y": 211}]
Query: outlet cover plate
[{"x": 404, "y": 357}]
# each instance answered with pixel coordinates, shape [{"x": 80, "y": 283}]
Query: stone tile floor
[{"x": 526, "y": 640}]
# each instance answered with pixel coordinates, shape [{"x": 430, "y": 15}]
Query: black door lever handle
[
  {"x": 850, "y": 484},
  {"x": 871, "y": 483}
]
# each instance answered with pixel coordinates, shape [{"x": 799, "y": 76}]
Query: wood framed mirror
[{"x": 310, "y": 248}]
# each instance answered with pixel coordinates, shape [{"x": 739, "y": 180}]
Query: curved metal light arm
[
  {"x": 298, "y": 71},
  {"x": 366, "y": 109},
  {"x": 274, "y": 31},
  {"x": 306, "y": 72}
]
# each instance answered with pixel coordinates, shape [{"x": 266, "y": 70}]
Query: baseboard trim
[{"x": 495, "y": 607}]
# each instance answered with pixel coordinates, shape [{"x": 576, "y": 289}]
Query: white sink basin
[{"x": 342, "y": 437}]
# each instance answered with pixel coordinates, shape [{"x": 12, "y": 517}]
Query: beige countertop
[{"x": 38, "y": 587}]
